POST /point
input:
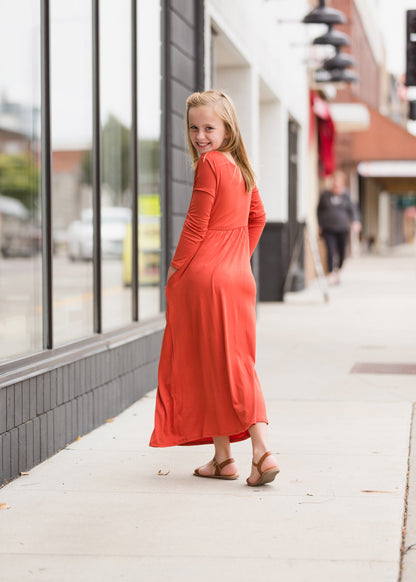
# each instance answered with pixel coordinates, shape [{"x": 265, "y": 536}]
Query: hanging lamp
[{"x": 324, "y": 15}]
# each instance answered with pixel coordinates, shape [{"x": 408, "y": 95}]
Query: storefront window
[
  {"x": 116, "y": 196},
  {"x": 20, "y": 227},
  {"x": 149, "y": 99},
  {"x": 71, "y": 121}
]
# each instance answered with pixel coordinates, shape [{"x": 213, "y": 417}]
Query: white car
[{"x": 114, "y": 220}]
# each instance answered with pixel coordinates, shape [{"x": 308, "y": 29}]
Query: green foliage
[
  {"x": 20, "y": 179},
  {"x": 115, "y": 164}
]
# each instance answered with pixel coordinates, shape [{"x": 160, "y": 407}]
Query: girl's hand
[{"x": 171, "y": 270}]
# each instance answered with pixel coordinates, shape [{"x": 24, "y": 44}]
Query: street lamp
[
  {"x": 334, "y": 76},
  {"x": 339, "y": 61},
  {"x": 324, "y": 15},
  {"x": 333, "y": 37},
  {"x": 333, "y": 69}
]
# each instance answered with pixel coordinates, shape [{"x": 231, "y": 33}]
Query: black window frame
[{"x": 46, "y": 170}]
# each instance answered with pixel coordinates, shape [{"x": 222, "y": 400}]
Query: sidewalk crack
[{"x": 403, "y": 549}]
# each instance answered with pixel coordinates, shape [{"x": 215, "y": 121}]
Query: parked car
[
  {"x": 149, "y": 251},
  {"x": 19, "y": 236},
  {"x": 114, "y": 221}
]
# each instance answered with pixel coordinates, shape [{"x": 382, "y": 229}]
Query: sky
[{"x": 393, "y": 27}]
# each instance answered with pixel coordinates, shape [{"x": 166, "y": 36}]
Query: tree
[
  {"x": 20, "y": 179},
  {"x": 115, "y": 159}
]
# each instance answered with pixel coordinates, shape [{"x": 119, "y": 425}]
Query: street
[{"x": 21, "y": 303}]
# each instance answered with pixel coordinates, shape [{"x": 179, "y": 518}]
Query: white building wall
[{"x": 261, "y": 63}]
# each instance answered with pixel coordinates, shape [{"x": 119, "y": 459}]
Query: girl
[{"x": 208, "y": 390}]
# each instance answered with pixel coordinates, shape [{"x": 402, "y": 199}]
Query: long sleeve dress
[{"x": 207, "y": 383}]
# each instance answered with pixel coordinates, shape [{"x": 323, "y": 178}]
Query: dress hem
[{"x": 208, "y": 440}]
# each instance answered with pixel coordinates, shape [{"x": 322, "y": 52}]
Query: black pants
[{"x": 336, "y": 244}]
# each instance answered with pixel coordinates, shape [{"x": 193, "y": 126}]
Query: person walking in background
[
  {"x": 208, "y": 389},
  {"x": 336, "y": 215}
]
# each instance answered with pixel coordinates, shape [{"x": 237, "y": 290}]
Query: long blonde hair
[{"x": 224, "y": 108}]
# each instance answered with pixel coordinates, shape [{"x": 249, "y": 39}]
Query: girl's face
[{"x": 206, "y": 129}]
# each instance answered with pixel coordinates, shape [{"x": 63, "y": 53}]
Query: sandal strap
[
  {"x": 220, "y": 466},
  {"x": 259, "y": 463}
]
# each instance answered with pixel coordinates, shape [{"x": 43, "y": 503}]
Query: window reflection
[
  {"x": 20, "y": 231},
  {"x": 71, "y": 92},
  {"x": 71, "y": 125},
  {"x": 149, "y": 84},
  {"x": 115, "y": 70}
]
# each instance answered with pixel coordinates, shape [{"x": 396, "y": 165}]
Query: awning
[
  {"x": 396, "y": 176},
  {"x": 350, "y": 116},
  {"x": 388, "y": 169}
]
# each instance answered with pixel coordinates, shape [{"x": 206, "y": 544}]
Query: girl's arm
[
  {"x": 256, "y": 219},
  {"x": 199, "y": 213}
]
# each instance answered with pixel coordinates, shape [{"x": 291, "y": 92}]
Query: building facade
[
  {"x": 374, "y": 147},
  {"x": 93, "y": 136}
]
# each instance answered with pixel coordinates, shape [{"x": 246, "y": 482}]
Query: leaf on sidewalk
[
  {"x": 110, "y": 420},
  {"x": 4, "y": 506},
  {"x": 163, "y": 472},
  {"x": 374, "y": 491},
  {"x": 78, "y": 438}
]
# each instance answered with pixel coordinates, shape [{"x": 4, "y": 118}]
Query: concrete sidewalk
[{"x": 109, "y": 508}]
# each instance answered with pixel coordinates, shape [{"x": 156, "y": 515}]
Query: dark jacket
[{"x": 336, "y": 212}]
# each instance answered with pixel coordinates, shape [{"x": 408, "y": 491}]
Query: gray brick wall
[
  {"x": 183, "y": 74},
  {"x": 43, "y": 413}
]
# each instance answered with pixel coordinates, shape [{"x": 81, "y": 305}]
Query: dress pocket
[{"x": 172, "y": 277}]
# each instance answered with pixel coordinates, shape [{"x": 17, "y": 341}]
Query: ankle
[
  {"x": 258, "y": 452},
  {"x": 221, "y": 457}
]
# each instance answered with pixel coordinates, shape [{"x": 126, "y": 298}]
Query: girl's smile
[{"x": 207, "y": 130}]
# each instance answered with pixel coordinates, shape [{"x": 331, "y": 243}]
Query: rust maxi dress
[{"x": 207, "y": 383}]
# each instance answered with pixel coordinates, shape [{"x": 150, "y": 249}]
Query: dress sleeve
[
  {"x": 256, "y": 219},
  {"x": 199, "y": 213}
]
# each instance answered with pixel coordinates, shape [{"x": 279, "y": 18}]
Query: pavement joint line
[
  {"x": 271, "y": 493},
  {"x": 199, "y": 556},
  {"x": 410, "y": 481}
]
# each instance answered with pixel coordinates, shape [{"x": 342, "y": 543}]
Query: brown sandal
[
  {"x": 218, "y": 467},
  {"x": 265, "y": 476}
]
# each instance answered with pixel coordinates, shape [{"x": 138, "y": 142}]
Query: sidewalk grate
[{"x": 382, "y": 368}]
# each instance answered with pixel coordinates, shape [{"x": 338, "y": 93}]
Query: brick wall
[
  {"x": 367, "y": 68},
  {"x": 58, "y": 398},
  {"x": 184, "y": 74}
]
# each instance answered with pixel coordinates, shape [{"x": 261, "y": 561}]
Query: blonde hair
[{"x": 224, "y": 108}]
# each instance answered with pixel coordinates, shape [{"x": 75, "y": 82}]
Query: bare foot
[
  {"x": 209, "y": 468},
  {"x": 270, "y": 462}
]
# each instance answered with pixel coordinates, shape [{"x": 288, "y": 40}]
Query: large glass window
[
  {"x": 71, "y": 122},
  {"x": 71, "y": 115},
  {"x": 116, "y": 196},
  {"x": 20, "y": 228},
  {"x": 149, "y": 84}
]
